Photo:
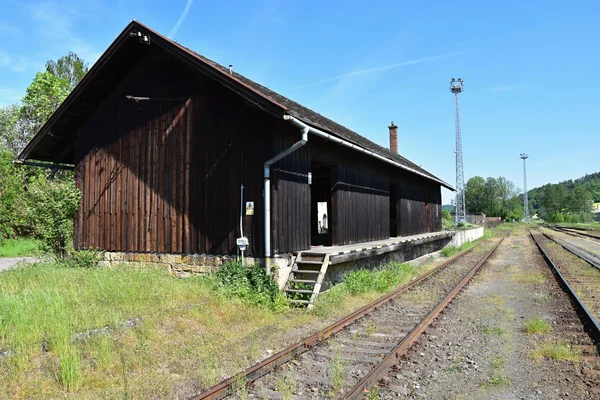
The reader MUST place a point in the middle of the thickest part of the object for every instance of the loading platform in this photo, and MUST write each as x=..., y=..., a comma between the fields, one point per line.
x=309, y=267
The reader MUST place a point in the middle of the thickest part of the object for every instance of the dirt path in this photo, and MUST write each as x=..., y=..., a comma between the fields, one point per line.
x=6, y=263
x=480, y=349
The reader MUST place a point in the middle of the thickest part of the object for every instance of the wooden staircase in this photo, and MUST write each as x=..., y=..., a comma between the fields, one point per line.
x=306, y=277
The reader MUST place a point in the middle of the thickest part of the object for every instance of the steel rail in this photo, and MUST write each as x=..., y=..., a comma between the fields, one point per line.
x=575, y=250
x=569, y=289
x=262, y=368
x=371, y=379
x=570, y=231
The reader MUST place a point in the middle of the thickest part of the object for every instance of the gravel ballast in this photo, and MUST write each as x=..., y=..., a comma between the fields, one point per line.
x=480, y=349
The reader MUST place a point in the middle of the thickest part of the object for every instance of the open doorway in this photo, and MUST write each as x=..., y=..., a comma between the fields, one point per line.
x=320, y=193
x=393, y=211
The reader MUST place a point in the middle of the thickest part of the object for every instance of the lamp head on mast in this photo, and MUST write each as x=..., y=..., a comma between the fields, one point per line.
x=456, y=85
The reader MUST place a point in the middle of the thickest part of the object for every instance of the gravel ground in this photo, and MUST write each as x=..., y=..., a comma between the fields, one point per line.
x=330, y=369
x=6, y=263
x=479, y=348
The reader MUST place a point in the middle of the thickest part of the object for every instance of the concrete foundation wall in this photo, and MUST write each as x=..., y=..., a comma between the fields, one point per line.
x=468, y=235
x=197, y=264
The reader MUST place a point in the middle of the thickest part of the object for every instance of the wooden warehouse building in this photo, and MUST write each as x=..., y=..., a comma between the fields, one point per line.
x=162, y=139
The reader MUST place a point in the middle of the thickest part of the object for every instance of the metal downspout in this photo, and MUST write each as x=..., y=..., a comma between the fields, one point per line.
x=267, y=188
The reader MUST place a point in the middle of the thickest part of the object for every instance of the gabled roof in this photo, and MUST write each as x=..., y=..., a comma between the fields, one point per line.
x=55, y=140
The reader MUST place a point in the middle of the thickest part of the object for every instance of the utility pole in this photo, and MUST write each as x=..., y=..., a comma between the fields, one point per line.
x=456, y=87
x=525, y=196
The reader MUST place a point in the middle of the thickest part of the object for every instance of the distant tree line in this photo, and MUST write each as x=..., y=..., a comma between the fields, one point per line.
x=32, y=204
x=568, y=201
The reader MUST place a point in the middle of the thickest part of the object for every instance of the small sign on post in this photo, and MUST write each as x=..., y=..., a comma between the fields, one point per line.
x=249, y=208
x=242, y=243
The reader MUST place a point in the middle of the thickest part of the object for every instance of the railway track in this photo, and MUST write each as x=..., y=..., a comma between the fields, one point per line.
x=347, y=358
x=581, y=276
x=586, y=249
x=579, y=233
x=580, y=279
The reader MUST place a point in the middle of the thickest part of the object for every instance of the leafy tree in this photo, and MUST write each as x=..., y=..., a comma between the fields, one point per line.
x=474, y=194
x=13, y=221
x=71, y=68
x=506, y=190
x=447, y=220
x=579, y=200
x=51, y=206
x=42, y=98
x=491, y=197
x=554, y=201
x=9, y=138
x=516, y=213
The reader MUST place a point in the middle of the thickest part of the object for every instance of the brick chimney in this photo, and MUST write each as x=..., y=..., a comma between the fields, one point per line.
x=393, y=138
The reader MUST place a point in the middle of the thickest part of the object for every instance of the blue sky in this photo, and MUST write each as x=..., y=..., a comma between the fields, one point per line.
x=531, y=68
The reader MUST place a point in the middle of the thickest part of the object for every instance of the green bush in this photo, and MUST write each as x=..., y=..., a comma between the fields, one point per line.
x=557, y=218
x=51, y=207
x=31, y=205
x=81, y=259
x=14, y=221
x=251, y=284
x=447, y=222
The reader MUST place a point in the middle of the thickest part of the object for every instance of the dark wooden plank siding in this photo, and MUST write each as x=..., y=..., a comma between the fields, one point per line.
x=435, y=209
x=290, y=194
x=165, y=176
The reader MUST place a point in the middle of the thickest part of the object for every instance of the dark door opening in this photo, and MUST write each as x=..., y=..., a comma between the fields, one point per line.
x=321, y=222
x=393, y=211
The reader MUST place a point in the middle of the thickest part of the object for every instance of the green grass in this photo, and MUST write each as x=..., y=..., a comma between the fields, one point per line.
x=336, y=371
x=497, y=381
x=18, y=247
x=554, y=351
x=367, y=283
x=491, y=330
x=533, y=277
x=537, y=326
x=43, y=305
x=185, y=324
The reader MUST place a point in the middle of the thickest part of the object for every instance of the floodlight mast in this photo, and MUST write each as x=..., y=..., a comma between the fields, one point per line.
x=456, y=87
x=525, y=195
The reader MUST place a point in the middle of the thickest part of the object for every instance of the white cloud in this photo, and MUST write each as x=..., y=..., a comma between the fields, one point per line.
x=184, y=14
x=381, y=68
x=16, y=63
x=56, y=22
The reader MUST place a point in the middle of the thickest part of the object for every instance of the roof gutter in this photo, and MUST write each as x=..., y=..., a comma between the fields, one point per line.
x=267, y=173
x=342, y=142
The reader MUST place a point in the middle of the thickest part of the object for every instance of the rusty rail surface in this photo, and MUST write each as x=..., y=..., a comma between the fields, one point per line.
x=256, y=371
x=371, y=379
x=584, y=311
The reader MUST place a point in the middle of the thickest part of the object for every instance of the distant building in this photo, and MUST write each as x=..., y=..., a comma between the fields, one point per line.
x=596, y=210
